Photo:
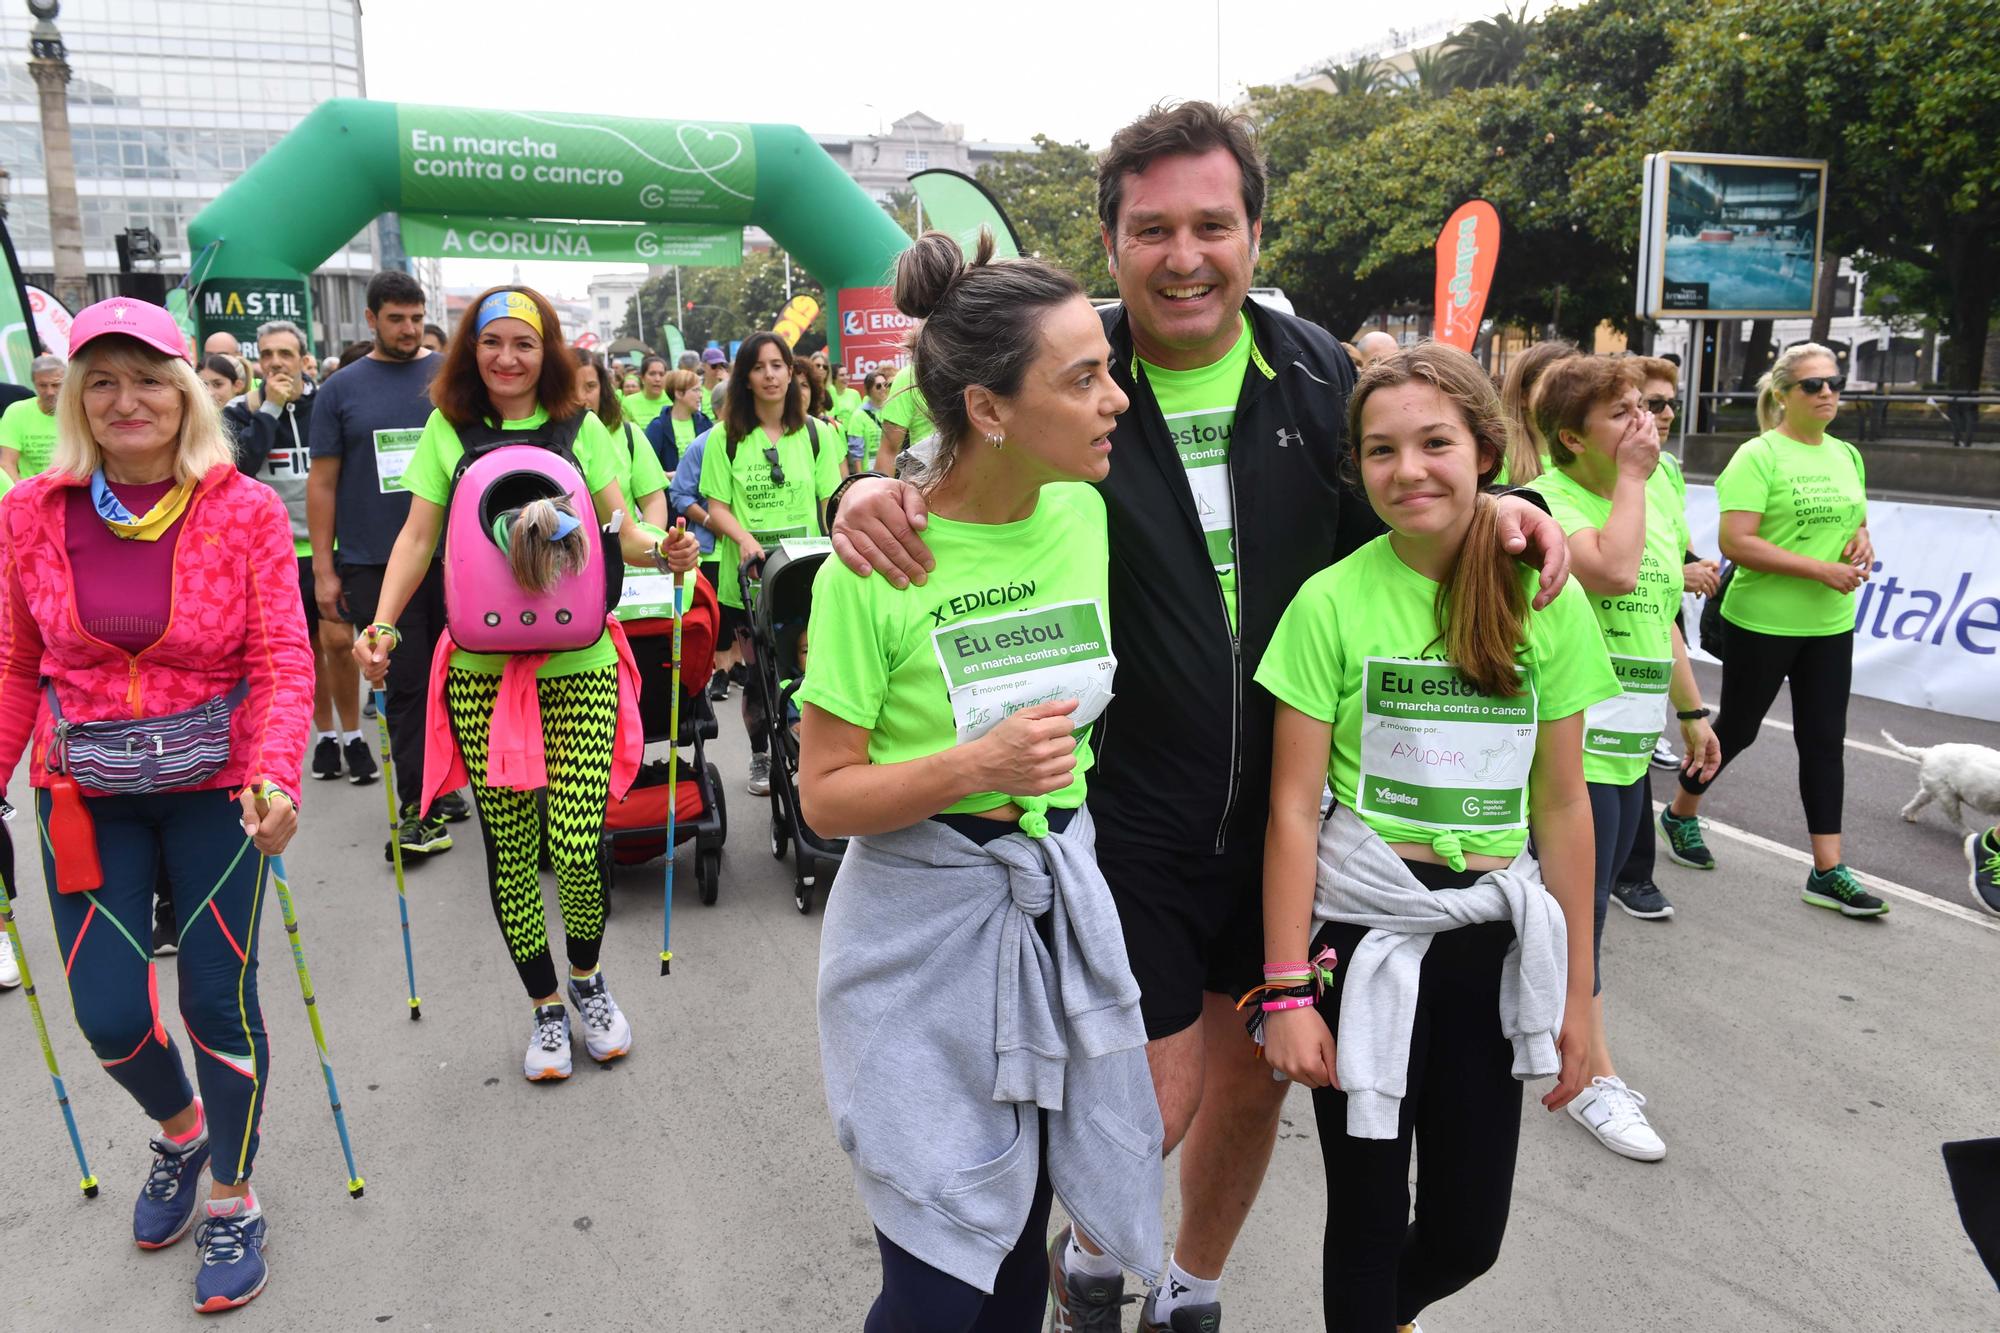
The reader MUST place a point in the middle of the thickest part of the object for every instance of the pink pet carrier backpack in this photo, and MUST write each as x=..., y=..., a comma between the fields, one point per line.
x=486, y=610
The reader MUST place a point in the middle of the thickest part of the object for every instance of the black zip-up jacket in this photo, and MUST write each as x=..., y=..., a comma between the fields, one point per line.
x=1184, y=750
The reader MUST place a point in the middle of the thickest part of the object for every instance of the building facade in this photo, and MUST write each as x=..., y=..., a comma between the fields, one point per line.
x=169, y=102
x=883, y=163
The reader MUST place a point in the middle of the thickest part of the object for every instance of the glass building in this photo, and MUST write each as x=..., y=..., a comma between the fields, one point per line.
x=169, y=101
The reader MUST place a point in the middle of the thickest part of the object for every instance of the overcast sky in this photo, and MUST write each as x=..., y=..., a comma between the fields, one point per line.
x=1058, y=67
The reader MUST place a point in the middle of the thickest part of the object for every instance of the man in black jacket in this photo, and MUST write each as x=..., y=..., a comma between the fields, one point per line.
x=1224, y=497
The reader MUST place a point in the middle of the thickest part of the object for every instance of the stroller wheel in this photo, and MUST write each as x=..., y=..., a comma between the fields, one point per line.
x=781, y=836
x=802, y=883
x=708, y=874
x=721, y=805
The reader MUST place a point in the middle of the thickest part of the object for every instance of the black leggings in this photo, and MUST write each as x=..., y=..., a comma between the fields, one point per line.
x=917, y=1298
x=1616, y=816
x=1462, y=1108
x=1821, y=670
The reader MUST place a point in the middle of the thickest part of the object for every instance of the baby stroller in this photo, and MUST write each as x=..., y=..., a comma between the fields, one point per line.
x=779, y=611
x=635, y=829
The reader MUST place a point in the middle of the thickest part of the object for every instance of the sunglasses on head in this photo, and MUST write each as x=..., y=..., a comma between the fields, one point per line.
x=1658, y=403
x=777, y=472
x=1818, y=382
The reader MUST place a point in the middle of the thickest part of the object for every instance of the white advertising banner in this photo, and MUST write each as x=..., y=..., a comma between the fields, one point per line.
x=1927, y=622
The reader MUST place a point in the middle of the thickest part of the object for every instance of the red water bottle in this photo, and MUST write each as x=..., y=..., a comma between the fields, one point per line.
x=72, y=837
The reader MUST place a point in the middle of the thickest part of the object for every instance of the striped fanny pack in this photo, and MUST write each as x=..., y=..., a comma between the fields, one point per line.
x=147, y=754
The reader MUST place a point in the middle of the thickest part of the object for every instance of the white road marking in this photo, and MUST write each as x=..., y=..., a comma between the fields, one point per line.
x=1886, y=887
x=1882, y=750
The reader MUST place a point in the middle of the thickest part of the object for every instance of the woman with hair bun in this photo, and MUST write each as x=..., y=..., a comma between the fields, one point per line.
x=1794, y=505
x=971, y=947
x=498, y=378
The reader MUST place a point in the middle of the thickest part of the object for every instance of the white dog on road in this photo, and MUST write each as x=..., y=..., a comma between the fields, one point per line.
x=1953, y=775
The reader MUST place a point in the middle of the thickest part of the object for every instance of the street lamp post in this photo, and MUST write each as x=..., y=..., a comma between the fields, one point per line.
x=49, y=64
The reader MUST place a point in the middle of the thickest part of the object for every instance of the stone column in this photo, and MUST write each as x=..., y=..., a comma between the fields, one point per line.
x=49, y=64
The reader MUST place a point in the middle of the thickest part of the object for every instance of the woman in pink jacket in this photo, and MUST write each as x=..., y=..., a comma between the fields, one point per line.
x=153, y=653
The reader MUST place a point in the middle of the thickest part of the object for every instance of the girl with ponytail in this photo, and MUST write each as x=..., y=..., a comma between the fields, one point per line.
x=958, y=767
x=1447, y=715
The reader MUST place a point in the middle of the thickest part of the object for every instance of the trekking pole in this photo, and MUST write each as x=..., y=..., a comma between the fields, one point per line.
x=89, y=1182
x=673, y=787
x=282, y=883
x=396, y=850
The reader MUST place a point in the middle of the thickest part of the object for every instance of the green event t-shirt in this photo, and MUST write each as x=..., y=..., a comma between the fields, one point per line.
x=1638, y=627
x=1417, y=753
x=429, y=476
x=768, y=511
x=640, y=410
x=906, y=407
x=639, y=470
x=683, y=435
x=1200, y=410
x=1016, y=614
x=1813, y=498
x=25, y=427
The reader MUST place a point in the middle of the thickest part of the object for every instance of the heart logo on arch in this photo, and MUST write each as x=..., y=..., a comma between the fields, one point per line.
x=689, y=135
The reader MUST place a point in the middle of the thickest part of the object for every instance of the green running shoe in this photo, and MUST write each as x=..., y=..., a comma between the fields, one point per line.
x=1837, y=890
x=1982, y=854
x=1684, y=844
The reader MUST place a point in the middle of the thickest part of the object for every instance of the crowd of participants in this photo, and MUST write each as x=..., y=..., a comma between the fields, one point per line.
x=1435, y=657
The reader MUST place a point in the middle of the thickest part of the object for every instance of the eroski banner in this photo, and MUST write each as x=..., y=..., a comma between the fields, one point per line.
x=1927, y=623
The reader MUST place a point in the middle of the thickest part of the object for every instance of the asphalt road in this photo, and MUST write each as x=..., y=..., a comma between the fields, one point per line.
x=1803, y=1069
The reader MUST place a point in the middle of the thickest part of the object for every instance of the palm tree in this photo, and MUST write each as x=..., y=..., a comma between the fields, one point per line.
x=1489, y=52
x=1364, y=78
x=1430, y=74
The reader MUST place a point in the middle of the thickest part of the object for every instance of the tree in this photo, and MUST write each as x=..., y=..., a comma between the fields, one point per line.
x=729, y=303
x=1902, y=100
x=1050, y=195
x=1362, y=78
x=1355, y=228
x=1430, y=74
x=1489, y=52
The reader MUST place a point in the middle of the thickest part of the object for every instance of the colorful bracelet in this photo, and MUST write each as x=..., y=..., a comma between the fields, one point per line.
x=1299, y=969
x=1290, y=1002
x=382, y=627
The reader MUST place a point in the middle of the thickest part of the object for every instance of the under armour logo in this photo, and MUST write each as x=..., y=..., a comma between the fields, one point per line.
x=1286, y=435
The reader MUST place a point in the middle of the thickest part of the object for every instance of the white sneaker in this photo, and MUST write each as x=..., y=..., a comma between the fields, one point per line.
x=1663, y=754
x=1610, y=1110
x=606, y=1032
x=10, y=967
x=548, y=1045
x=760, y=775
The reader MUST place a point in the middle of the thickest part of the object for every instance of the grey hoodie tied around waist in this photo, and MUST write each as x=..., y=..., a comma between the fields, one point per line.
x=946, y=1025
x=1363, y=883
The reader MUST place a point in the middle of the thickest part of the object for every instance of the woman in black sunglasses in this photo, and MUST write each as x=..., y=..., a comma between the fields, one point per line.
x=769, y=480
x=1794, y=507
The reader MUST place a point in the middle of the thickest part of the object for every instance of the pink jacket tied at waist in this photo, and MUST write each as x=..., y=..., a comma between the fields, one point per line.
x=236, y=616
x=514, y=756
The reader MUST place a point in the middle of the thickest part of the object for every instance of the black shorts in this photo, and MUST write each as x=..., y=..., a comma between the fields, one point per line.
x=1194, y=923
x=312, y=607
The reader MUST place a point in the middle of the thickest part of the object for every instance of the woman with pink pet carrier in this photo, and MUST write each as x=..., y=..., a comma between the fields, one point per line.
x=533, y=686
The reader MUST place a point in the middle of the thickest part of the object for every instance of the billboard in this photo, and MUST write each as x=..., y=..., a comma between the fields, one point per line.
x=1724, y=236
x=873, y=333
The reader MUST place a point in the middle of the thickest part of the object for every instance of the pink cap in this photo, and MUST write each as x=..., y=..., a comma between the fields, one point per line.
x=135, y=319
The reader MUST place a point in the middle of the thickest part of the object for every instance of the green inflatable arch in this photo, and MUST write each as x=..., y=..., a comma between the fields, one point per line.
x=350, y=160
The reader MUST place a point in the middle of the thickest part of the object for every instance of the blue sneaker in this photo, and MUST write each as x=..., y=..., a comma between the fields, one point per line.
x=231, y=1238
x=172, y=1191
